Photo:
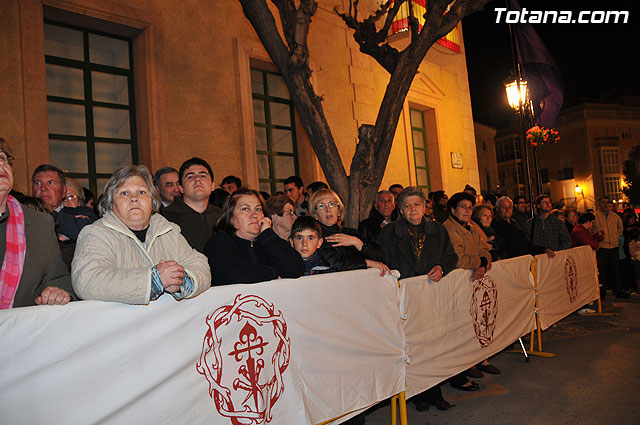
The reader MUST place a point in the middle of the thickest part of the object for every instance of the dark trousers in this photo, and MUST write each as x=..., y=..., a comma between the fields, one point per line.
x=609, y=269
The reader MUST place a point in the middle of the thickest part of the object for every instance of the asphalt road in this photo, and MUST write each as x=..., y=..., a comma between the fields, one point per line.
x=593, y=379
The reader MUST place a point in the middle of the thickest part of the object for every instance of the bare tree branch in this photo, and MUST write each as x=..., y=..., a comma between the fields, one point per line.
x=371, y=41
x=296, y=77
x=300, y=51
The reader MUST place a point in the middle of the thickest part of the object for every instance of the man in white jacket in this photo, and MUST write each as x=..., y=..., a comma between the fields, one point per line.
x=609, y=225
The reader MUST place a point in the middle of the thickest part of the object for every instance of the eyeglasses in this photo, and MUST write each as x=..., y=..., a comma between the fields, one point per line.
x=71, y=197
x=330, y=204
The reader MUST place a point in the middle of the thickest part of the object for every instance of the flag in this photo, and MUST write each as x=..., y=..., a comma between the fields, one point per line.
x=540, y=71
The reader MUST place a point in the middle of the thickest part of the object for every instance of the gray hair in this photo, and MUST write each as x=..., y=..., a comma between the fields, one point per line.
x=161, y=172
x=502, y=200
x=120, y=177
x=411, y=191
x=71, y=182
x=384, y=192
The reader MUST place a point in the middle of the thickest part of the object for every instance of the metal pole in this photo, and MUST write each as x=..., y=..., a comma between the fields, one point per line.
x=525, y=152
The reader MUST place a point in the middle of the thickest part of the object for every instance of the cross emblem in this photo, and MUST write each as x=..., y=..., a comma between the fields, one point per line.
x=249, y=342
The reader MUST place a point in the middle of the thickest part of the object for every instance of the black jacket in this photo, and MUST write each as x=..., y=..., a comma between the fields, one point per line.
x=197, y=228
x=369, y=228
x=343, y=258
x=236, y=260
x=399, y=254
x=515, y=243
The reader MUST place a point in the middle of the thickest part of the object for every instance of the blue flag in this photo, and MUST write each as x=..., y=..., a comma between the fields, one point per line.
x=540, y=71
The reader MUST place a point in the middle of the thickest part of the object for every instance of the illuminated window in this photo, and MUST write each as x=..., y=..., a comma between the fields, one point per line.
x=90, y=104
x=274, y=125
x=419, y=138
x=610, y=172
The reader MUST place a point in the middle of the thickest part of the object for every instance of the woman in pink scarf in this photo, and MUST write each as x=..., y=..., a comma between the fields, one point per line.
x=38, y=276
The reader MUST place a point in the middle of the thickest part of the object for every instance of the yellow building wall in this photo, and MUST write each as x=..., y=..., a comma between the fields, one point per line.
x=191, y=61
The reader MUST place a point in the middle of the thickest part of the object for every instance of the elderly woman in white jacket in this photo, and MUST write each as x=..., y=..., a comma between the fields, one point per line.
x=132, y=255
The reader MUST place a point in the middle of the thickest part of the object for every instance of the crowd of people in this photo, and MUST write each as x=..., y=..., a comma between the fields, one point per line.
x=175, y=232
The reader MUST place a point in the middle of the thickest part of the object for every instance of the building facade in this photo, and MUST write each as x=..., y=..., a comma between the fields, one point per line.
x=595, y=140
x=89, y=85
x=487, y=160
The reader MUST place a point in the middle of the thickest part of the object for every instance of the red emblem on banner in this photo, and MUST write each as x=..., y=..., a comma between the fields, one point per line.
x=244, y=354
x=571, y=278
x=484, y=309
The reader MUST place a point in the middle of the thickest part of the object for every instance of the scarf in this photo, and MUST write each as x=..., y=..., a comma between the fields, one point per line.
x=14, y=254
x=418, y=234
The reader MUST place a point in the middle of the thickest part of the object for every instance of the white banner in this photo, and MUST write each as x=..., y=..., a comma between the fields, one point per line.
x=455, y=323
x=283, y=352
x=565, y=283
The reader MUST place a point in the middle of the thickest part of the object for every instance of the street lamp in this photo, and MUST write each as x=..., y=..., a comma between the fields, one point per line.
x=579, y=191
x=518, y=97
x=517, y=93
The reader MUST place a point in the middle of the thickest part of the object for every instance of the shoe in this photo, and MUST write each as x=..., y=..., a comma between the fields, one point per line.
x=442, y=404
x=489, y=368
x=473, y=372
x=622, y=295
x=421, y=405
x=474, y=386
x=586, y=311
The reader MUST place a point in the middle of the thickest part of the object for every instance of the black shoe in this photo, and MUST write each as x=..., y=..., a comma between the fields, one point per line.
x=421, y=405
x=474, y=386
x=473, y=372
x=622, y=295
x=442, y=405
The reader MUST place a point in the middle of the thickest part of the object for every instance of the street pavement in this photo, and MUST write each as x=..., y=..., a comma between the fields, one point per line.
x=593, y=379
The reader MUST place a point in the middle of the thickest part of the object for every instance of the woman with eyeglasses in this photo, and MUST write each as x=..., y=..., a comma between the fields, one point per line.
x=343, y=249
x=246, y=249
x=282, y=211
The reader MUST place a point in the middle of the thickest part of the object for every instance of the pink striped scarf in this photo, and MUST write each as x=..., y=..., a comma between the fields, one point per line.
x=14, y=254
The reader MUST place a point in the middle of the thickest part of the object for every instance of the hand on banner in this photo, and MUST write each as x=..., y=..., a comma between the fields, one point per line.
x=550, y=253
x=435, y=274
x=478, y=273
x=52, y=295
x=378, y=265
x=171, y=274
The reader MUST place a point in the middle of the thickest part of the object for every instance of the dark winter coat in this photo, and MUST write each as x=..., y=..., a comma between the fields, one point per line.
x=197, y=228
x=399, y=254
x=343, y=258
x=236, y=260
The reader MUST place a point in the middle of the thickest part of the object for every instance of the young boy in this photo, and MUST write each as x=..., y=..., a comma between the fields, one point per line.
x=306, y=238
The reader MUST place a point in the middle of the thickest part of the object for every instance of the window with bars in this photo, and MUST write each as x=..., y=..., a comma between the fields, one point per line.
x=419, y=138
x=90, y=103
x=274, y=124
x=610, y=171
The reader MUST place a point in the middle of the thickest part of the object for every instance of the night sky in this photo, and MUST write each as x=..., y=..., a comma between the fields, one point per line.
x=595, y=60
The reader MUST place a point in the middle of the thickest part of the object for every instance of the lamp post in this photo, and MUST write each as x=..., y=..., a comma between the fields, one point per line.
x=518, y=97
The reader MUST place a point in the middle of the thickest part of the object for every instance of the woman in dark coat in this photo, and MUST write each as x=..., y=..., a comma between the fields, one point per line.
x=246, y=249
x=342, y=248
x=415, y=245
